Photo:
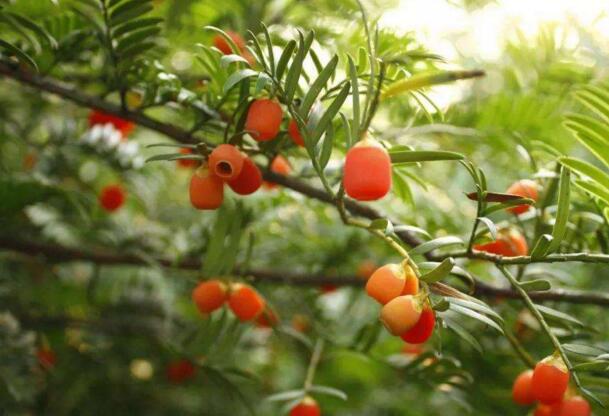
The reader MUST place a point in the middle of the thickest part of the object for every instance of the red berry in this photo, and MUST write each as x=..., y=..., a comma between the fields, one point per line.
x=99, y=117
x=267, y=319
x=46, y=358
x=522, y=392
x=206, y=189
x=209, y=296
x=226, y=162
x=295, y=133
x=367, y=173
x=509, y=244
x=281, y=166
x=524, y=188
x=222, y=44
x=550, y=380
x=328, y=288
x=245, y=302
x=249, y=180
x=307, y=407
x=423, y=329
x=264, y=119
x=187, y=163
x=401, y=314
x=574, y=406
x=112, y=197
x=179, y=371
x=545, y=410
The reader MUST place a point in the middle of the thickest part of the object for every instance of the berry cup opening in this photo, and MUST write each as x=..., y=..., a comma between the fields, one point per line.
x=224, y=169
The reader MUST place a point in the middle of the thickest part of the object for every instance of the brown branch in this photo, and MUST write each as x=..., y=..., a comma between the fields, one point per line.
x=56, y=253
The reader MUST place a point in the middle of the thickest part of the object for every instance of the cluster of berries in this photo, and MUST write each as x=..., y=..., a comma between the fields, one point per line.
x=243, y=300
x=548, y=385
x=405, y=313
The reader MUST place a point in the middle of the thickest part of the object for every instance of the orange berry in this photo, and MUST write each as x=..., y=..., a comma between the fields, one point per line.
x=112, y=197
x=509, y=244
x=307, y=407
x=245, y=302
x=187, y=163
x=525, y=188
x=365, y=269
x=545, y=410
x=206, y=189
x=249, y=180
x=263, y=119
x=550, y=380
x=367, y=172
x=209, y=296
x=224, y=47
x=423, y=329
x=226, y=162
x=522, y=392
x=99, y=117
x=295, y=133
x=386, y=283
x=267, y=319
x=179, y=371
x=281, y=166
x=574, y=406
x=401, y=314
x=46, y=358
x=411, y=281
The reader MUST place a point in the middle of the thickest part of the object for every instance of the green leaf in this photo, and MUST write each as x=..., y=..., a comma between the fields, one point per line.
x=34, y=27
x=401, y=188
x=585, y=350
x=441, y=242
x=328, y=116
x=269, y=46
x=596, y=99
x=478, y=306
x=329, y=391
x=595, y=189
x=541, y=246
x=173, y=156
x=490, y=225
x=425, y=80
x=539, y=285
x=326, y=148
x=284, y=59
x=285, y=396
x=439, y=272
x=381, y=224
x=562, y=214
x=356, y=105
x=558, y=315
x=237, y=77
x=135, y=39
x=291, y=82
x=585, y=133
x=584, y=168
x=475, y=315
x=262, y=81
x=16, y=194
x=317, y=86
x=226, y=60
x=412, y=229
x=129, y=10
x=423, y=156
x=512, y=203
x=19, y=54
x=462, y=333
x=135, y=25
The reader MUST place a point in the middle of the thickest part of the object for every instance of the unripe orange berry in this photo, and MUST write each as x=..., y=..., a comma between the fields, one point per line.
x=249, y=180
x=206, y=189
x=180, y=371
x=209, y=296
x=307, y=407
x=112, y=197
x=574, y=406
x=224, y=47
x=522, y=392
x=187, y=163
x=550, y=380
x=226, y=162
x=411, y=281
x=509, y=244
x=423, y=329
x=245, y=302
x=295, y=133
x=401, y=314
x=367, y=172
x=525, y=188
x=263, y=119
x=46, y=358
x=99, y=117
x=386, y=283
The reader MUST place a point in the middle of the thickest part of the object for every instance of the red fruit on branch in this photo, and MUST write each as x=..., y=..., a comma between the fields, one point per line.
x=187, y=163
x=112, y=197
x=245, y=302
x=401, y=314
x=281, y=166
x=98, y=117
x=574, y=406
x=411, y=281
x=509, y=244
x=295, y=133
x=206, y=189
x=263, y=119
x=226, y=162
x=46, y=358
x=525, y=188
x=387, y=282
x=545, y=410
x=249, y=179
x=423, y=329
x=522, y=392
x=550, y=380
x=209, y=296
x=224, y=47
x=307, y=407
x=267, y=319
x=367, y=172
x=177, y=372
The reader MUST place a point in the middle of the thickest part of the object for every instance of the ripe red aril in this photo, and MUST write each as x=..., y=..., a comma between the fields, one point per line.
x=180, y=371
x=224, y=47
x=245, y=302
x=367, y=172
x=46, y=358
x=226, y=162
x=522, y=392
x=574, y=406
x=307, y=407
x=209, y=296
x=295, y=133
x=187, y=163
x=423, y=329
x=281, y=166
x=263, y=119
x=112, y=197
x=99, y=117
x=525, y=188
x=508, y=243
x=550, y=380
x=206, y=189
x=249, y=179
